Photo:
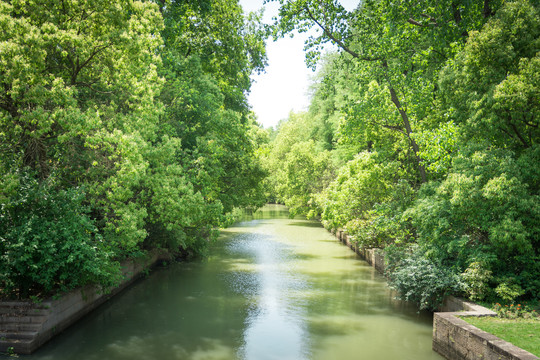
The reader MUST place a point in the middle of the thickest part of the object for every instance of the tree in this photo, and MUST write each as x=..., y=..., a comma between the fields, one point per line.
x=485, y=208
x=484, y=211
x=463, y=76
x=230, y=46
x=77, y=113
x=134, y=114
x=298, y=167
x=78, y=100
x=209, y=53
x=396, y=45
x=492, y=87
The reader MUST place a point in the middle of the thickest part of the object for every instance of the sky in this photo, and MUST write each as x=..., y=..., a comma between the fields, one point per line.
x=284, y=86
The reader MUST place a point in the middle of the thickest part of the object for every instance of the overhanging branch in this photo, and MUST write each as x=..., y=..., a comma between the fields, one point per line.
x=336, y=40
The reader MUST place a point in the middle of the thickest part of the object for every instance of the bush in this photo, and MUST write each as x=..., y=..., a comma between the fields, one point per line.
x=485, y=210
x=48, y=242
x=418, y=279
x=508, y=291
x=348, y=201
x=384, y=224
x=476, y=279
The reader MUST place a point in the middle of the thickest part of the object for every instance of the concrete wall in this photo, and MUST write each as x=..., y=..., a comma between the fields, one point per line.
x=25, y=326
x=455, y=339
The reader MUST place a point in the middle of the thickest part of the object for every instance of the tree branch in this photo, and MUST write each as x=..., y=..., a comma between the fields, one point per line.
x=430, y=18
x=414, y=22
x=79, y=67
x=518, y=134
x=530, y=124
x=80, y=83
x=407, y=124
x=487, y=11
x=394, y=127
x=336, y=40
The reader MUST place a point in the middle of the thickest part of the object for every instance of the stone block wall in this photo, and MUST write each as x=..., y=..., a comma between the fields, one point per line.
x=25, y=326
x=455, y=339
x=373, y=256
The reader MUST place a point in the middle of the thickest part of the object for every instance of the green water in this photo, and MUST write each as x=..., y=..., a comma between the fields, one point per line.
x=272, y=288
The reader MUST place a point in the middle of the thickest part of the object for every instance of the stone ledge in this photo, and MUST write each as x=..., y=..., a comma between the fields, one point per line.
x=54, y=315
x=456, y=339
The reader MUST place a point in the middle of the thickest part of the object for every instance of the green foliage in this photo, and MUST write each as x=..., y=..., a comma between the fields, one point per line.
x=78, y=100
x=475, y=279
x=204, y=164
x=49, y=243
x=420, y=280
x=361, y=183
x=438, y=147
x=482, y=211
x=305, y=174
x=391, y=55
x=298, y=167
x=509, y=292
x=210, y=52
x=142, y=104
x=492, y=86
x=229, y=45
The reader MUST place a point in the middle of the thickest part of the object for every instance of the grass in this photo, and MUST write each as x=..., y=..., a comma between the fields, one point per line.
x=524, y=333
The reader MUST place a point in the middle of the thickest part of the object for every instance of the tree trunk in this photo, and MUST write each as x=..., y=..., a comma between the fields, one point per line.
x=408, y=128
x=393, y=94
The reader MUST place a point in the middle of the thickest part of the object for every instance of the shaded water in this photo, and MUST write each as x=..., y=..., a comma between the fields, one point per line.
x=272, y=288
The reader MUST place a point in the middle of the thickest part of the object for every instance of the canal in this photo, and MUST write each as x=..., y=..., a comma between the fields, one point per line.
x=271, y=288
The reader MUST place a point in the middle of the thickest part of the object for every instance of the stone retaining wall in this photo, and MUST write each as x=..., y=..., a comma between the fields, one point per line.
x=25, y=326
x=373, y=256
x=455, y=339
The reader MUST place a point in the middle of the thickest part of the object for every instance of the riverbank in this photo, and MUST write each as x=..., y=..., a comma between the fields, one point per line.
x=453, y=337
x=263, y=276
x=25, y=325
x=522, y=332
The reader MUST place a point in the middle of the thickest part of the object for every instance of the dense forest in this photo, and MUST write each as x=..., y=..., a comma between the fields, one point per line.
x=124, y=127
x=421, y=138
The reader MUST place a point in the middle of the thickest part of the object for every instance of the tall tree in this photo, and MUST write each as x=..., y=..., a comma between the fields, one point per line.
x=210, y=50
x=78, y=112
x=79, y=84
x=491, y=89
x=400, y=45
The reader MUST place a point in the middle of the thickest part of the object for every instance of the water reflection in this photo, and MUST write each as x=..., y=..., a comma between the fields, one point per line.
x=274, y=326
x=272, y=288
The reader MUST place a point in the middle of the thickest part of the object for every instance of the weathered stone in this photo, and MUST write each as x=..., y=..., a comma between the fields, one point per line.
x=25, y=326
x=456, y=339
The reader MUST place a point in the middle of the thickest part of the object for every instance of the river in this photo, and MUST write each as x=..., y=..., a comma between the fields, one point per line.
x=271, y=288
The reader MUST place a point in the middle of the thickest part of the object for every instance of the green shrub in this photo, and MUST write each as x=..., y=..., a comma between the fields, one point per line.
x=348, y=201
x=48, y=242
x=476, y=279
x=420, y=280
x=508, y=291
x=484, y=210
